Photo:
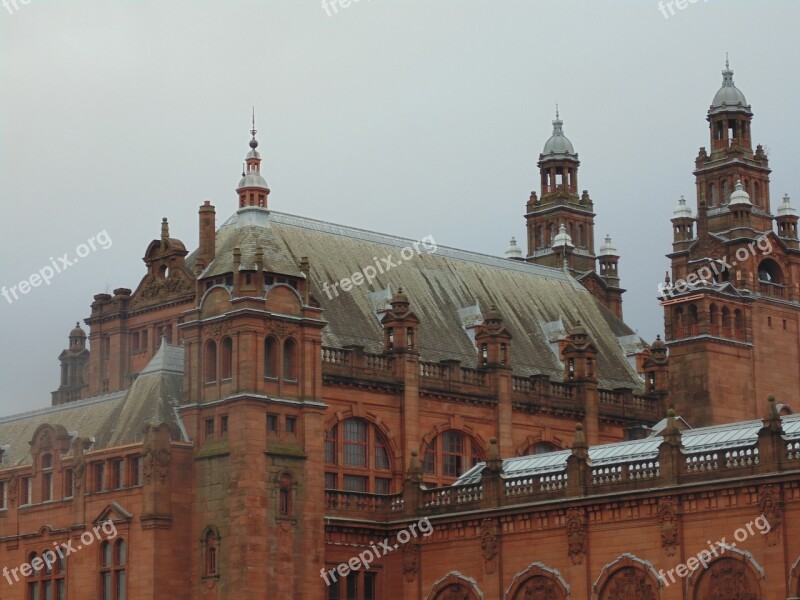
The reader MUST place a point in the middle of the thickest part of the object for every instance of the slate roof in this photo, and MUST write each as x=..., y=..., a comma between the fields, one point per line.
x=111, y=419
x=715, y=438
x=438, y=284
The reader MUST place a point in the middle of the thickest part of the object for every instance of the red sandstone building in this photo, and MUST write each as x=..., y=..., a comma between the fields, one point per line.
x=258, y=413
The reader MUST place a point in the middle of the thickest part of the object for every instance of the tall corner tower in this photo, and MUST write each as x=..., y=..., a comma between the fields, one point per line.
x=731, y=305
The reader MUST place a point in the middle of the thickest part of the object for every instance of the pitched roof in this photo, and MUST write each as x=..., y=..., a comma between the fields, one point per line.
x=111, y=419
x=716, y=438
x=444, y=287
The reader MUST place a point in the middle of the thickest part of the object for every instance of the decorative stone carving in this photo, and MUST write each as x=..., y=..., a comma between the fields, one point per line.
x=539, y=588
x=154, y=290
x=13, y=489
x=727, y=579
x=770, y=505
x=668, y=522
x=155, y=464
x=576, y=535
x=630, y=583
x=409, y=562
x=489, y=545
x=455, y=591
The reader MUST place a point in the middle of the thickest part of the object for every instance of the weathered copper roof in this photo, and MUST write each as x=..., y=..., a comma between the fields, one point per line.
x=438, y=284
x=112, y=419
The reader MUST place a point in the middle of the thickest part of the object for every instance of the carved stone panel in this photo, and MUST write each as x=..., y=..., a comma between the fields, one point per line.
x=727, y=579
x=629, y=583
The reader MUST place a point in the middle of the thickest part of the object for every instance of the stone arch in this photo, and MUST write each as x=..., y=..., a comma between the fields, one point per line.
x=216, y=301
x=284, y=299
x=443, y=426
x=794, y=579
x=385, y=429
x=735, y=574
x=627, y=578
x=538, y=582
x=543, y=436
x=455, y=586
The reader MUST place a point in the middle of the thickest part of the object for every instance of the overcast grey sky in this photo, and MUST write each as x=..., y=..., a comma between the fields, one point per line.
x=410, y=117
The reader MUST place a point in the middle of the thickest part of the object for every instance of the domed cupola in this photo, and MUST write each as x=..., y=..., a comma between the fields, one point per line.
x=739, y=198
x=682, y=211
x=729, y=98
x=563, y=239
x=252, y=189
x=558, y=145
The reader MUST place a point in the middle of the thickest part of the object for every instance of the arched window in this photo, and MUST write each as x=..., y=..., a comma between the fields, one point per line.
x=726, y=321
x=285, y=496
x=226, y=362
x=725, y=191
x=712, y=195
x=271, y=357
x=756, y=193
x=679, y=323
x=541, y=448
x=357, y=458
x=769, y=271
x=290, y=360
x=47, y=582
x=211, y=361
x=113, y=559
x=714, y=319
x=449, y=455
x=211, y=553
x=693, y=319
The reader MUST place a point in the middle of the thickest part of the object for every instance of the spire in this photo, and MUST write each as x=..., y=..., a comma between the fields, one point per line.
x=253, y=189
x=254, y=131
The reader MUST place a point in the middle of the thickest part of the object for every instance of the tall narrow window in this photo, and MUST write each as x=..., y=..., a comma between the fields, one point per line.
x=355, y=443
x=285, y=496
x=226, y=358
x=113, y=558
x=211, y=544
x=452, y=453
x=290, y=360
x=3, y=496
x=117, y=474
x=69, y=483
x=211, y=361
x=27, y=491
x=47, y=477
x=48, y=581
x=271, y=357
x=99, y=476
x=136, y=470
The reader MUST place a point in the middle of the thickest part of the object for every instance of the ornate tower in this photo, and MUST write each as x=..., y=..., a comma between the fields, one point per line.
x=74, y=363
x=731, y=307
x=560, y=224
x=560, y=204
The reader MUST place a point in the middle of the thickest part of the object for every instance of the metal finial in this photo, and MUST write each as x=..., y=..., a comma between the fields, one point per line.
x=253, y=130
x=727, y=65
x=557, y=110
